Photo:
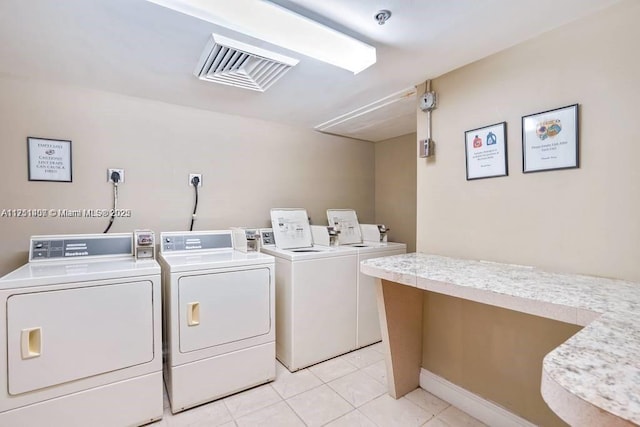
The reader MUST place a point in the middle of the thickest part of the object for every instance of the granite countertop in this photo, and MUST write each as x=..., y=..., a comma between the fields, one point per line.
x=597, y=369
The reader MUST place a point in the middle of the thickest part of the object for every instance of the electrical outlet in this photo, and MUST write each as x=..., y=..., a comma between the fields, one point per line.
x=192, y=175
x=120, y=171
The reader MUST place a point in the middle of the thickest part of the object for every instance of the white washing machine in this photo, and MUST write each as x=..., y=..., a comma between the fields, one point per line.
x=315, y=292
x=80, y=332
x=370, y=242
x=219, y=317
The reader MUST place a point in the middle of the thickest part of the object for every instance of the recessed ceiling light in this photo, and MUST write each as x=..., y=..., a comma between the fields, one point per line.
x=279, y=26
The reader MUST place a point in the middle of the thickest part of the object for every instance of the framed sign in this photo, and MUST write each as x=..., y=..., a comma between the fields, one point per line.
x=550, y=140
x=486, y=150
x=49, y=159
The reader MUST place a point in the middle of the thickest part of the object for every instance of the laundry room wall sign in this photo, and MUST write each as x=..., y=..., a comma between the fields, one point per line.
x=486, y=150
x=550, y=140
x=49, y=159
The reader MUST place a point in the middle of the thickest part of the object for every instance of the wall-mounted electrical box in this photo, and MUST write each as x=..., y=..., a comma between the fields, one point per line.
x=426, y=147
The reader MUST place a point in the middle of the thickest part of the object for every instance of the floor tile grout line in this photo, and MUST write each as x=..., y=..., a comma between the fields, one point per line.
x=413, y=403
x=269, y=406
x=233, y=417
x=435, y=415
x=368, y=418
x=363, y=403
x=327, y=383
x=295, y=413
x=312, y=374
x=368, y=366
x=298, y=394
x=340, y=376
x=373, y=377
x=344, y=359
x=340, y=397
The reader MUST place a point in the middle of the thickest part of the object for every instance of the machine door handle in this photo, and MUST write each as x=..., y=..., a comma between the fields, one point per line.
x=31, y=342
x=193, y=314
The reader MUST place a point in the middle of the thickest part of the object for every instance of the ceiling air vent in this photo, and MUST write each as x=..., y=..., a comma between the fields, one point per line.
x=230, y=62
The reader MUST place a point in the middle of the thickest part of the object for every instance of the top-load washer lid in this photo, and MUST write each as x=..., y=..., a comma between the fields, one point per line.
x=379, y=246
x=291, y=228
x=346, y=221
x=315, y=252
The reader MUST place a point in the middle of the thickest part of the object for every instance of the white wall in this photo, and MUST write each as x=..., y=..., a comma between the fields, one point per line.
x=249, y=165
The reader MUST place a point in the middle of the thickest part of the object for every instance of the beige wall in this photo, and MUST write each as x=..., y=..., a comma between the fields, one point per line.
x=584, y=220
x=395, y=188
x=249, y=165
x=493, y=352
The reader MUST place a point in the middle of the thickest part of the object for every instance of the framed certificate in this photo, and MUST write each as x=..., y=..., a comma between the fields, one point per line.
x=486, y=151
x=49, y=159
x=550, y=140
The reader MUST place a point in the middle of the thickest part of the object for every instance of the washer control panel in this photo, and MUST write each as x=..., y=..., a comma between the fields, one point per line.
x=266, y=235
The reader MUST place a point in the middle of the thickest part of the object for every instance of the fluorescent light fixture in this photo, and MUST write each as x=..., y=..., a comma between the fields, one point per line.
x=273, y=24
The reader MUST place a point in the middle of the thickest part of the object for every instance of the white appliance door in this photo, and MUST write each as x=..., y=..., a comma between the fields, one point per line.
x=60, y=336
x=219, y=308
x=368, y=318
x=324, y=309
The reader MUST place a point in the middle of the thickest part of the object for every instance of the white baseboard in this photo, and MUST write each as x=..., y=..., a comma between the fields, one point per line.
x=474, y=405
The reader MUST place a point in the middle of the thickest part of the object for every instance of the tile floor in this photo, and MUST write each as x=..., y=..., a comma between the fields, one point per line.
x=349, y=390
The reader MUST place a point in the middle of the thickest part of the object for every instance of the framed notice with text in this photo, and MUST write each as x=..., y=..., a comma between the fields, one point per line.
x=49, y=159
x=550, y=140
x=486, y=150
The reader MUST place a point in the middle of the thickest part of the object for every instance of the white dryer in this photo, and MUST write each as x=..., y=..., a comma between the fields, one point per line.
x=80, y=332
x=315, y=292
x=351, y=235
x=219, y=317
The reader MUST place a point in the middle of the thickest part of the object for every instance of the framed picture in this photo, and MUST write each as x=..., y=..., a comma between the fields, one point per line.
x=49, y=159
x=550, y=140
x=486, y=150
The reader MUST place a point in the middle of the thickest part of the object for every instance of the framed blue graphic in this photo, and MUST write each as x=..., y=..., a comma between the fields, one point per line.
x=550, y=140
x=486, y=151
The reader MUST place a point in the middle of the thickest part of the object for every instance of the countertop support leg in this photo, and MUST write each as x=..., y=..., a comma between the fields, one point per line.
x=400, y=309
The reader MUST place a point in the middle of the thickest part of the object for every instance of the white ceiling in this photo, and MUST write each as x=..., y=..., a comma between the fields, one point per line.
x=138, y=48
